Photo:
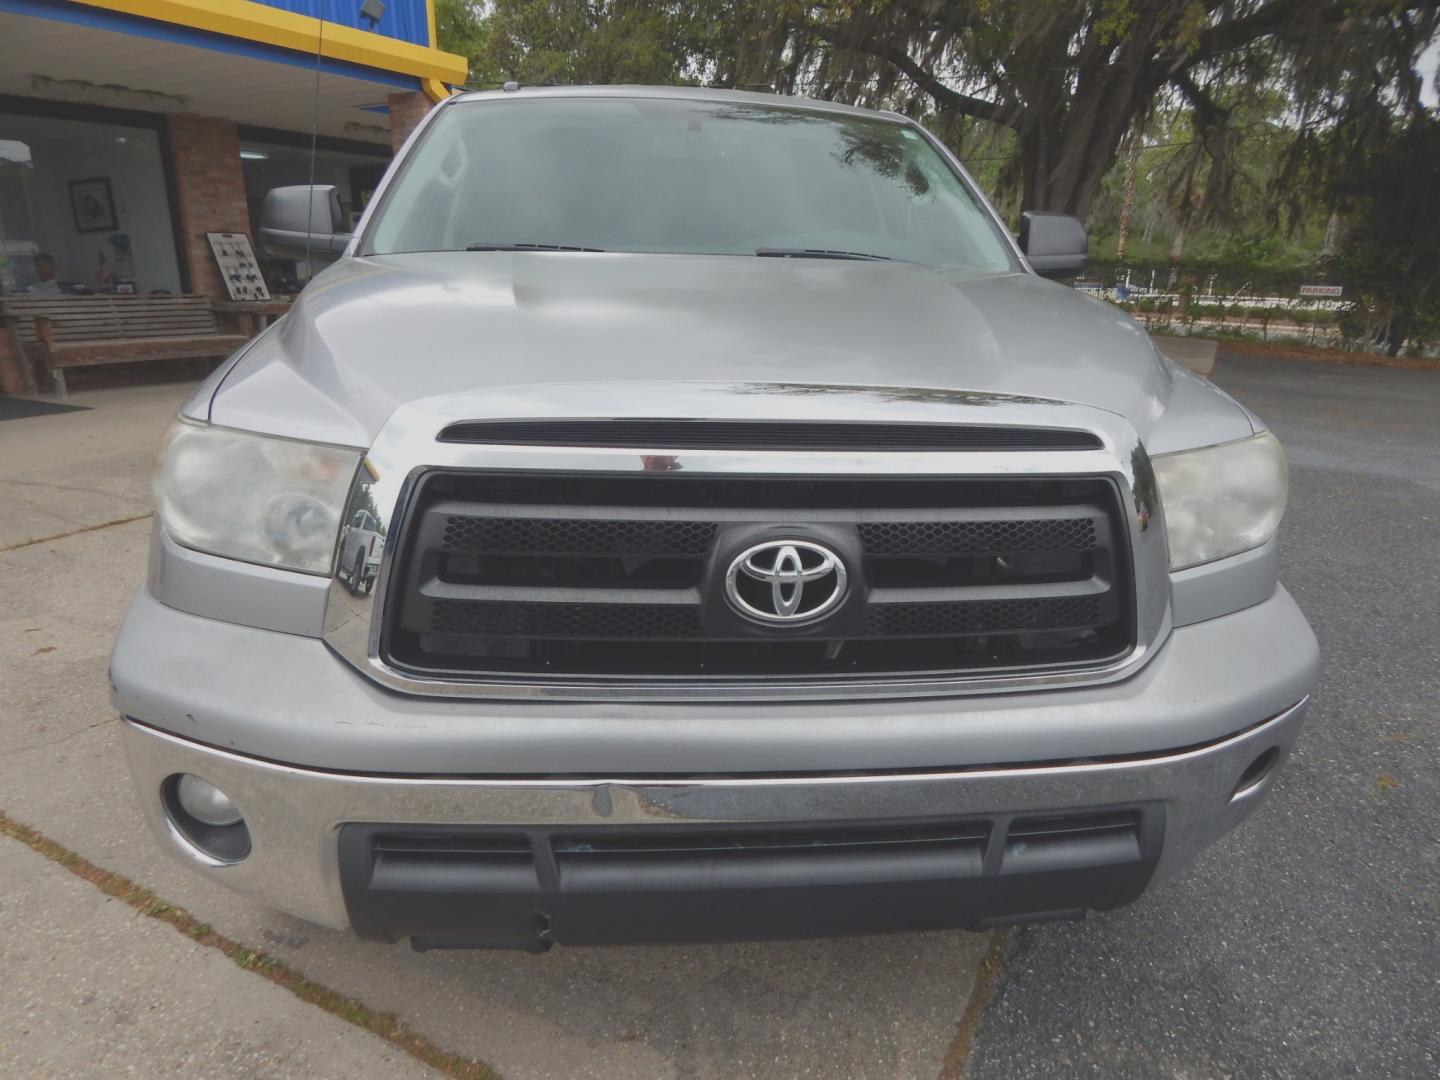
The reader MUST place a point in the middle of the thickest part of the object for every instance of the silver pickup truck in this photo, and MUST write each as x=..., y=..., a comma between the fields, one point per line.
x=362, y=545
x=769, y=550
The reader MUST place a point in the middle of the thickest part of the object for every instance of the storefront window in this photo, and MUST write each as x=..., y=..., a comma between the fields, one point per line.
x=269, y=165
x=83, y=208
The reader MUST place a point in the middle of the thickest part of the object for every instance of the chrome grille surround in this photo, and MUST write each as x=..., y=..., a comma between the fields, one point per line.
x=407, y=450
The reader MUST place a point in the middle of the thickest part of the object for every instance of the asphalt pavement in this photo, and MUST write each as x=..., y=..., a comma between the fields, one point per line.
x=1306, y=943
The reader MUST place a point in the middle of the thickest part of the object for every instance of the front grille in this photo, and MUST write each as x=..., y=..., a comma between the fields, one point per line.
x=620, y=577
x=555, y=536
x=546, y=620
x=983, y=617
x=977, y=537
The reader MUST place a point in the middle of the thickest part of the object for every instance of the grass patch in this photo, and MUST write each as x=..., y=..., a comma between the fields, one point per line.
x=387, y=1026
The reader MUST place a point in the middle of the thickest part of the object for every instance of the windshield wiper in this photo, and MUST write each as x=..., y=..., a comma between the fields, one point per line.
x=485, y=245
x=817, y=253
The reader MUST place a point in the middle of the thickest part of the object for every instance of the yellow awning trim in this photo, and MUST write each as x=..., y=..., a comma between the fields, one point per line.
x=250, y=21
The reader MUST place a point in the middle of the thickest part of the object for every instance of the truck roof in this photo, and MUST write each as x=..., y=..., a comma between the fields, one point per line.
x=679, y=93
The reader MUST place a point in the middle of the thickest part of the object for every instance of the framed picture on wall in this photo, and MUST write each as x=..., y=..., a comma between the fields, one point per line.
x=93, y=205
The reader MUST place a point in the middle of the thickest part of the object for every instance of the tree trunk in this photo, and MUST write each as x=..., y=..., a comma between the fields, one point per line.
x=1332, y=235
x=1071, y=78
x=1127, y=203
x=1177, y=248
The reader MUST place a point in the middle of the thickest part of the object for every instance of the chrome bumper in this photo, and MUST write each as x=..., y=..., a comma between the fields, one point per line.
x=294, y=813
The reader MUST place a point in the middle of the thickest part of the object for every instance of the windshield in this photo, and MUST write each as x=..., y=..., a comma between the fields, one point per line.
x=682, y=177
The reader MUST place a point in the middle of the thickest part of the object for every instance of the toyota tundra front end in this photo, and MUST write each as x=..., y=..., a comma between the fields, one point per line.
x=765, y=549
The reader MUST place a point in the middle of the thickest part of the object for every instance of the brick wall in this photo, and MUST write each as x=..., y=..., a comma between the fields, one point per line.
x=210, y=191
x=406, y=111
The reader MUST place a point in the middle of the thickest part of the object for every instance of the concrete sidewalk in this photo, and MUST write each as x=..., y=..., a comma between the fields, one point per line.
x=873, y=1007
x=92, y=988
x=75, y=470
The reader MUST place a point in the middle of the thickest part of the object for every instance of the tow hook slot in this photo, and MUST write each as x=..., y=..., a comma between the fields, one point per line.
x=1256, y=775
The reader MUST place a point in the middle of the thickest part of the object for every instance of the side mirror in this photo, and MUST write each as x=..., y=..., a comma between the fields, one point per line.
x=1055, y=244
x=301, y=220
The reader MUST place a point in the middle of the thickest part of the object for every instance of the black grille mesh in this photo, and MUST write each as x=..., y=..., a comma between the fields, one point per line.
x=492, y=619
x=558, y=575
x=990, y=616
x=977, y=537
x=576, y=536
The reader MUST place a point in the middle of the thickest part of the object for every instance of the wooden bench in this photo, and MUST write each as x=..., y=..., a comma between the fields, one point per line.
x=80, y=331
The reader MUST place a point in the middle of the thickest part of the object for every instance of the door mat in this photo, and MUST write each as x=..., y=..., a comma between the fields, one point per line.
x=14, y=408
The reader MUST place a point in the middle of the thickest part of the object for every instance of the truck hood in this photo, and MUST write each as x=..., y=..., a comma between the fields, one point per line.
x=371, y=334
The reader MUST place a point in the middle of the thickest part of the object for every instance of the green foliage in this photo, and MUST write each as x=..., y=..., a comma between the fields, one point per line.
x=461, y=27
x=1188, y=203
x=1390, y=262
x=1041, y=92
x=588, y=41
x=580, y=42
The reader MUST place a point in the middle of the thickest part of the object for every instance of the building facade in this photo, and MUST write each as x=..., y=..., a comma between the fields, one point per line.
x=131, y=128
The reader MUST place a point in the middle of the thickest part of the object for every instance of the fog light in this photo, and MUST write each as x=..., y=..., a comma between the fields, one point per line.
x=205, y=802
x=205, y=820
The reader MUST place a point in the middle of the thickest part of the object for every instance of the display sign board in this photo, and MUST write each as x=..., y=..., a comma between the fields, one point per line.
x=238, y=266
x=1328, y=292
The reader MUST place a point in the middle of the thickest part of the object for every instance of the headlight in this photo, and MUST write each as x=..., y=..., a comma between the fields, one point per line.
x=253, y=497
x=1220, y=500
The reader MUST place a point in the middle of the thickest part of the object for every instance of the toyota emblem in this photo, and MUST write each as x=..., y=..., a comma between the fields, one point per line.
x=786, y=582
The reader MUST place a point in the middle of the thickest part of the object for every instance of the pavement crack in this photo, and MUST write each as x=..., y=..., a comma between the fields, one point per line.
x=58, y=487
x=13, y=750
x=77, y=532
x=384, y=1025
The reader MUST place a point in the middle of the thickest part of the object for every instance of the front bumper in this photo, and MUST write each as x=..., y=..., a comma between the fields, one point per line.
x=300, y=820
x=287, y=697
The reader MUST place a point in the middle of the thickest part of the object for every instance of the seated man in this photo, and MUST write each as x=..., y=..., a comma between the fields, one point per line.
x=45, y=283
